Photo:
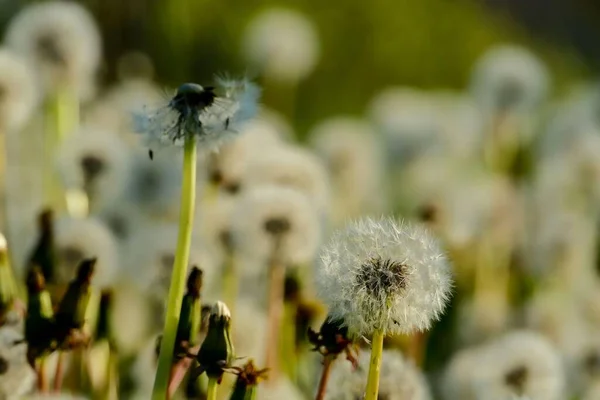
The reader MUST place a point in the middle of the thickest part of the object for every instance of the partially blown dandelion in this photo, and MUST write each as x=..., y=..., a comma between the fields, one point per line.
x=210, y=115
x=382, y=277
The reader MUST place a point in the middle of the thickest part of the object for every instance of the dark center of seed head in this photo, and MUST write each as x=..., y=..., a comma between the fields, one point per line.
x=193, y=96
x=3, y=365
x=277, y=226
x=592, y=363
x=72, y=255
x=517, y=378
x=382, y=277
x=509, y=94
x=49, y=49
x=92, y=166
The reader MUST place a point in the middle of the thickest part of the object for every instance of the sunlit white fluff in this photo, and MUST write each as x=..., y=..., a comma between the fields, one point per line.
x=263, y=204
x=96, y=162
x=249, y=330
x=18, y=93
x=293, y=167
x=408, y=120
x=19, y=379
x=211, y=126
x=148, y=262
x=77, y=239
x=519, y=363
x=354, y=157
x=228, y=165
x=143, y=369
x=282, y=43
x=113, y=110
x=130, y=310
x=509, y=78
x=282, y=388
x=379, y=274
x=61, y=40
x=399, y=379
x=154, y=185
x=213, y=225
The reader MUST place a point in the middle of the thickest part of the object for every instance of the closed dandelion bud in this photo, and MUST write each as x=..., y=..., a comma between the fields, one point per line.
x=381, y=275
x=8, y=286
x=39, y=319
x=248, y=378
x=104, y=328
x=216, y=352
x=191, y=310
x=72, y=308
x=43, y=254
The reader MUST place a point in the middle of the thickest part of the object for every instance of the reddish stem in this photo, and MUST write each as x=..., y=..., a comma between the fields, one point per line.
x=327, y=361
x=275, y=313
x=59, y=375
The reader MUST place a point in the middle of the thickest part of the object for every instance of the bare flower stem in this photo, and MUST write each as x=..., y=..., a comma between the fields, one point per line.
x=42, y=382
x=327, y=361
x=178, y=277
x=59, y=373
x=374, y=366
x=275, y=314
x=211, y=392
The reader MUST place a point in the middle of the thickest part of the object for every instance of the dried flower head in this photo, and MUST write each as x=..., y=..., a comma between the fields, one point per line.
x=520, y=363
x=283, y=43
x=96, y=162
x=61, y=40
x=18, y=94
x=400, y=379
x=211, y=115
x=272, y=221
x=509, y=79
x=354, y=157
x=79, y=239
x=377, y=274
x=293, y=167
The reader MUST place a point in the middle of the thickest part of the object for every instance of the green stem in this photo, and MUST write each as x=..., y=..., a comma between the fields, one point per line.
x=374, y=366
x=178, y=277
x=211, y=392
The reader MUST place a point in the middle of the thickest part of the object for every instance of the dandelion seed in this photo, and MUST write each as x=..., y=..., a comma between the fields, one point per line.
x=211, y=115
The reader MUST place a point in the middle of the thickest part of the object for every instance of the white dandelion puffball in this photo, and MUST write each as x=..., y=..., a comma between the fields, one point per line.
x=78, y=239
x=268, y=214
x=18, y=93
x=96, y=162
x=509, y=78
x=282, y=43
x=130, y=310
x=61, y=40
x=282, y=388
x=520, y=363
x=399, y=379
x=378, y=274
x=290, y=166
x=249, y=329
x=354, y=157
x=211, y=115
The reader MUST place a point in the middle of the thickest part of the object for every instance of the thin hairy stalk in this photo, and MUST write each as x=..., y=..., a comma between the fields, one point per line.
x=374, y=366
x=327, y=361
x=59, y=373
x=211, y=392
x=42, y=382
x=275, y=314
x=178, y=277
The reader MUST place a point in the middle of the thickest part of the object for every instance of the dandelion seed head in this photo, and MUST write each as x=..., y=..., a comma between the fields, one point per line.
x=509, y=78
x=79, y=239
x=95, y=161
x=377, y=274
x=269, y=214
x=18, y=94
x=282, y=43
x=399, y=379
x=292, y=167
x=61, y=40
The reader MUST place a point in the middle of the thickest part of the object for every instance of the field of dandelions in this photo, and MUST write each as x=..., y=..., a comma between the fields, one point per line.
x=188, y=242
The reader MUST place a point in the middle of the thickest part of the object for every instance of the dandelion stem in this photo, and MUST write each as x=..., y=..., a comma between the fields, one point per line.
x=62, y=116
x=276, y=282
x=211, y=392
x=42, y=382
x=374, y=366
x=59, y=373
x=178, y=277
x=327, y=361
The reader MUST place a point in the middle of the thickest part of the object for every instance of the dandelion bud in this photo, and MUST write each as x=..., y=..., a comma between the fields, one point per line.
x=217, y=351
x=384, y=276
x=43, y=254
x=38, y=322
x=191, y=311
x=247, y=380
